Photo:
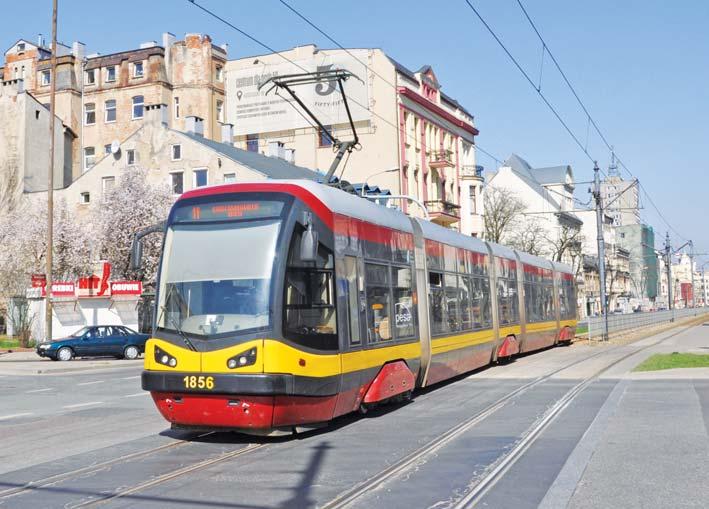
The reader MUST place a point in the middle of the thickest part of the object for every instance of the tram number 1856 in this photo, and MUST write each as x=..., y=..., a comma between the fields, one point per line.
x=198, y=382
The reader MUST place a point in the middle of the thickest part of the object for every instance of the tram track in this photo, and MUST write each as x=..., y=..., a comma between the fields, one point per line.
x=498, y=469
x=90, y=469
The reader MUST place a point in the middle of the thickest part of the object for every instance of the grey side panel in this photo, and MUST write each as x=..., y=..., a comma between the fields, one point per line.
x=422, y=301
x=493, y=298
x=557, y=303
x=521, y=297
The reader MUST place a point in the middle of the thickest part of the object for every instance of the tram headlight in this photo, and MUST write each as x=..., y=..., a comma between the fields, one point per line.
x=164, y=358
x=247, y=358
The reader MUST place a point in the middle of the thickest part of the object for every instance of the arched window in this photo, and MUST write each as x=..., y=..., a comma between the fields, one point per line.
x=138, y=105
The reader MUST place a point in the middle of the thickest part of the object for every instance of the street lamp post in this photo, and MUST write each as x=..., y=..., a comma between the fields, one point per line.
x=364, y=184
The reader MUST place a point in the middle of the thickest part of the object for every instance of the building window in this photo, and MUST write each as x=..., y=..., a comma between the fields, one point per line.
x=177, y=183
x=219, y=73
x=200, y=177
x=89, y=114
x=89, y=157
x=45, y=78
x=252, y=142
x=220, y=111
x=473, y=201
x=176, y=152
x=176, y=101
x=21, y=47
x=324, y=139
x=229, y=178
x=110, y=73
x=110, y=107
x=138, y=70
x=85, y=198
x=138, y=103
x=107, y=184
x=22, y=72
x=90, y=77
x=107, y=149
x=130, y=156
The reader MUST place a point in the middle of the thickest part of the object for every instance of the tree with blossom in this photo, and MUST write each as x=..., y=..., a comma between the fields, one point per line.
x=132, y=205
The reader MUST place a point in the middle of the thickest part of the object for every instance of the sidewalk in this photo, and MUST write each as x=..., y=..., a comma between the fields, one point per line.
x=29, y=363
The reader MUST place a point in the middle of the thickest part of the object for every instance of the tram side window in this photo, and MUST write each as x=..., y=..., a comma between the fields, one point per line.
x=438, y=304
x=452, y=297
x=309, y=304
x=486, y=302
x=404, y=309
x=503, y=302
x=467, y=309
x=378, y=303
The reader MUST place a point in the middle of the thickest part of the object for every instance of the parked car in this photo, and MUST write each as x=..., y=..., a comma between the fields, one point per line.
x=96, y=341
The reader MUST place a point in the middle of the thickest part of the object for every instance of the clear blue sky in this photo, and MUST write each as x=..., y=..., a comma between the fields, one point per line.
x=640, y=67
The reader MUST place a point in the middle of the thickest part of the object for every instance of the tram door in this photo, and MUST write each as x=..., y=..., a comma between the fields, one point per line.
x=353, y=280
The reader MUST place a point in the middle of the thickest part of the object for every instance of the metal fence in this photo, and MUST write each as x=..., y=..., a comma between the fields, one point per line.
x=593, y=327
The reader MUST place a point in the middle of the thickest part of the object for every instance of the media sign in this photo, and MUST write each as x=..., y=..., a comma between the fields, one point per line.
x=251, y=111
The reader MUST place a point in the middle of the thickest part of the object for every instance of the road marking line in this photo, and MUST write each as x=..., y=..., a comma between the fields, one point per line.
x=136, y=394
x=12, y=416
x=84, y=404
x=40, y=390
x=131, y=377
x=92, y=383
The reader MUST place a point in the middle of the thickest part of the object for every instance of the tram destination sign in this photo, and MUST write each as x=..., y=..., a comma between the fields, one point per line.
x=229, y=210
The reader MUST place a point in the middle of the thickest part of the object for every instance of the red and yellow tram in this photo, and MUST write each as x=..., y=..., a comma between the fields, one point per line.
x=284, y=304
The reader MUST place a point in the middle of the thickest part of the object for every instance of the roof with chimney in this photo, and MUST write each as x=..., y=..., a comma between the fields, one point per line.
x=271, y=167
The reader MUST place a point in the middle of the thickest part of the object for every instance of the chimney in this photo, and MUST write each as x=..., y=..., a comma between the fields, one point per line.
x=228, y=133
x=168, y=40
x=276, y=149
x=40, y=41
x=194, y=125
x=11, y=88
x=78, y=49
x=156, y=113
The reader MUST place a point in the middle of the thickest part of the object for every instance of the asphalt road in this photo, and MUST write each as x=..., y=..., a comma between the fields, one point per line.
x=624, y=440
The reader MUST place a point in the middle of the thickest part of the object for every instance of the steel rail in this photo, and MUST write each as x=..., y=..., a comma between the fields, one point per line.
x=170, y=475
x=70, y=474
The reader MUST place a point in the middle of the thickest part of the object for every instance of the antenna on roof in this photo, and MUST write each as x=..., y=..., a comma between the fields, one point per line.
x=334, y=75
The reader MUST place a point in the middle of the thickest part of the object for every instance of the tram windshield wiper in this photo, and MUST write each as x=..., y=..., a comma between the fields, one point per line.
x=179, y=330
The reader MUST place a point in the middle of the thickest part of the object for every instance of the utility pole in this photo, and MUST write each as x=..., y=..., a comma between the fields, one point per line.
x=50, y=176
x=691, y=269
x=601, y=249
x=668, y=269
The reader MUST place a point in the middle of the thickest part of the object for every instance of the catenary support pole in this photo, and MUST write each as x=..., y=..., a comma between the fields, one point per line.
x=601, y=250
x=50, y=177
x=668, y=270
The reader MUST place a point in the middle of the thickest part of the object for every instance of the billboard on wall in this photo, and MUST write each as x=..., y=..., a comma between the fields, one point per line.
x=252, y=111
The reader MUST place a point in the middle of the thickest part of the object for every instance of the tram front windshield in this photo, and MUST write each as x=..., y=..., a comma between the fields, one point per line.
x=216, y=277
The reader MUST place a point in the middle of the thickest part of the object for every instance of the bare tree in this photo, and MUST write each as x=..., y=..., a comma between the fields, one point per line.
x=568, y=238
x=527, y=234
x=502, y=208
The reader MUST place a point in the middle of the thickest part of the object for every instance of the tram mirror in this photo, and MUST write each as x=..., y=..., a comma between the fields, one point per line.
x=309, y=245
x=136, y=254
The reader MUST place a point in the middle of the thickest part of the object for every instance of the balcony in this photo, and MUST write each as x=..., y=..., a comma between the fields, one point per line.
x=441, y=159
x=443, y=212
x=471, y=171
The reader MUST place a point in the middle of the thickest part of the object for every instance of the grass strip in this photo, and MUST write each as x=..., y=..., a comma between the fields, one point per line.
x=672, y=361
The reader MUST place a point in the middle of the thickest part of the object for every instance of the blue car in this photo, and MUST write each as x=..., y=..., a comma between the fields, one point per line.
x=96, y=341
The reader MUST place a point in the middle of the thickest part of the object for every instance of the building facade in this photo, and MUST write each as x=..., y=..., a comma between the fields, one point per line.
x=102, y=98
x=24, y=145
x=639, y=240
x=414, y=139
x=180, y=160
